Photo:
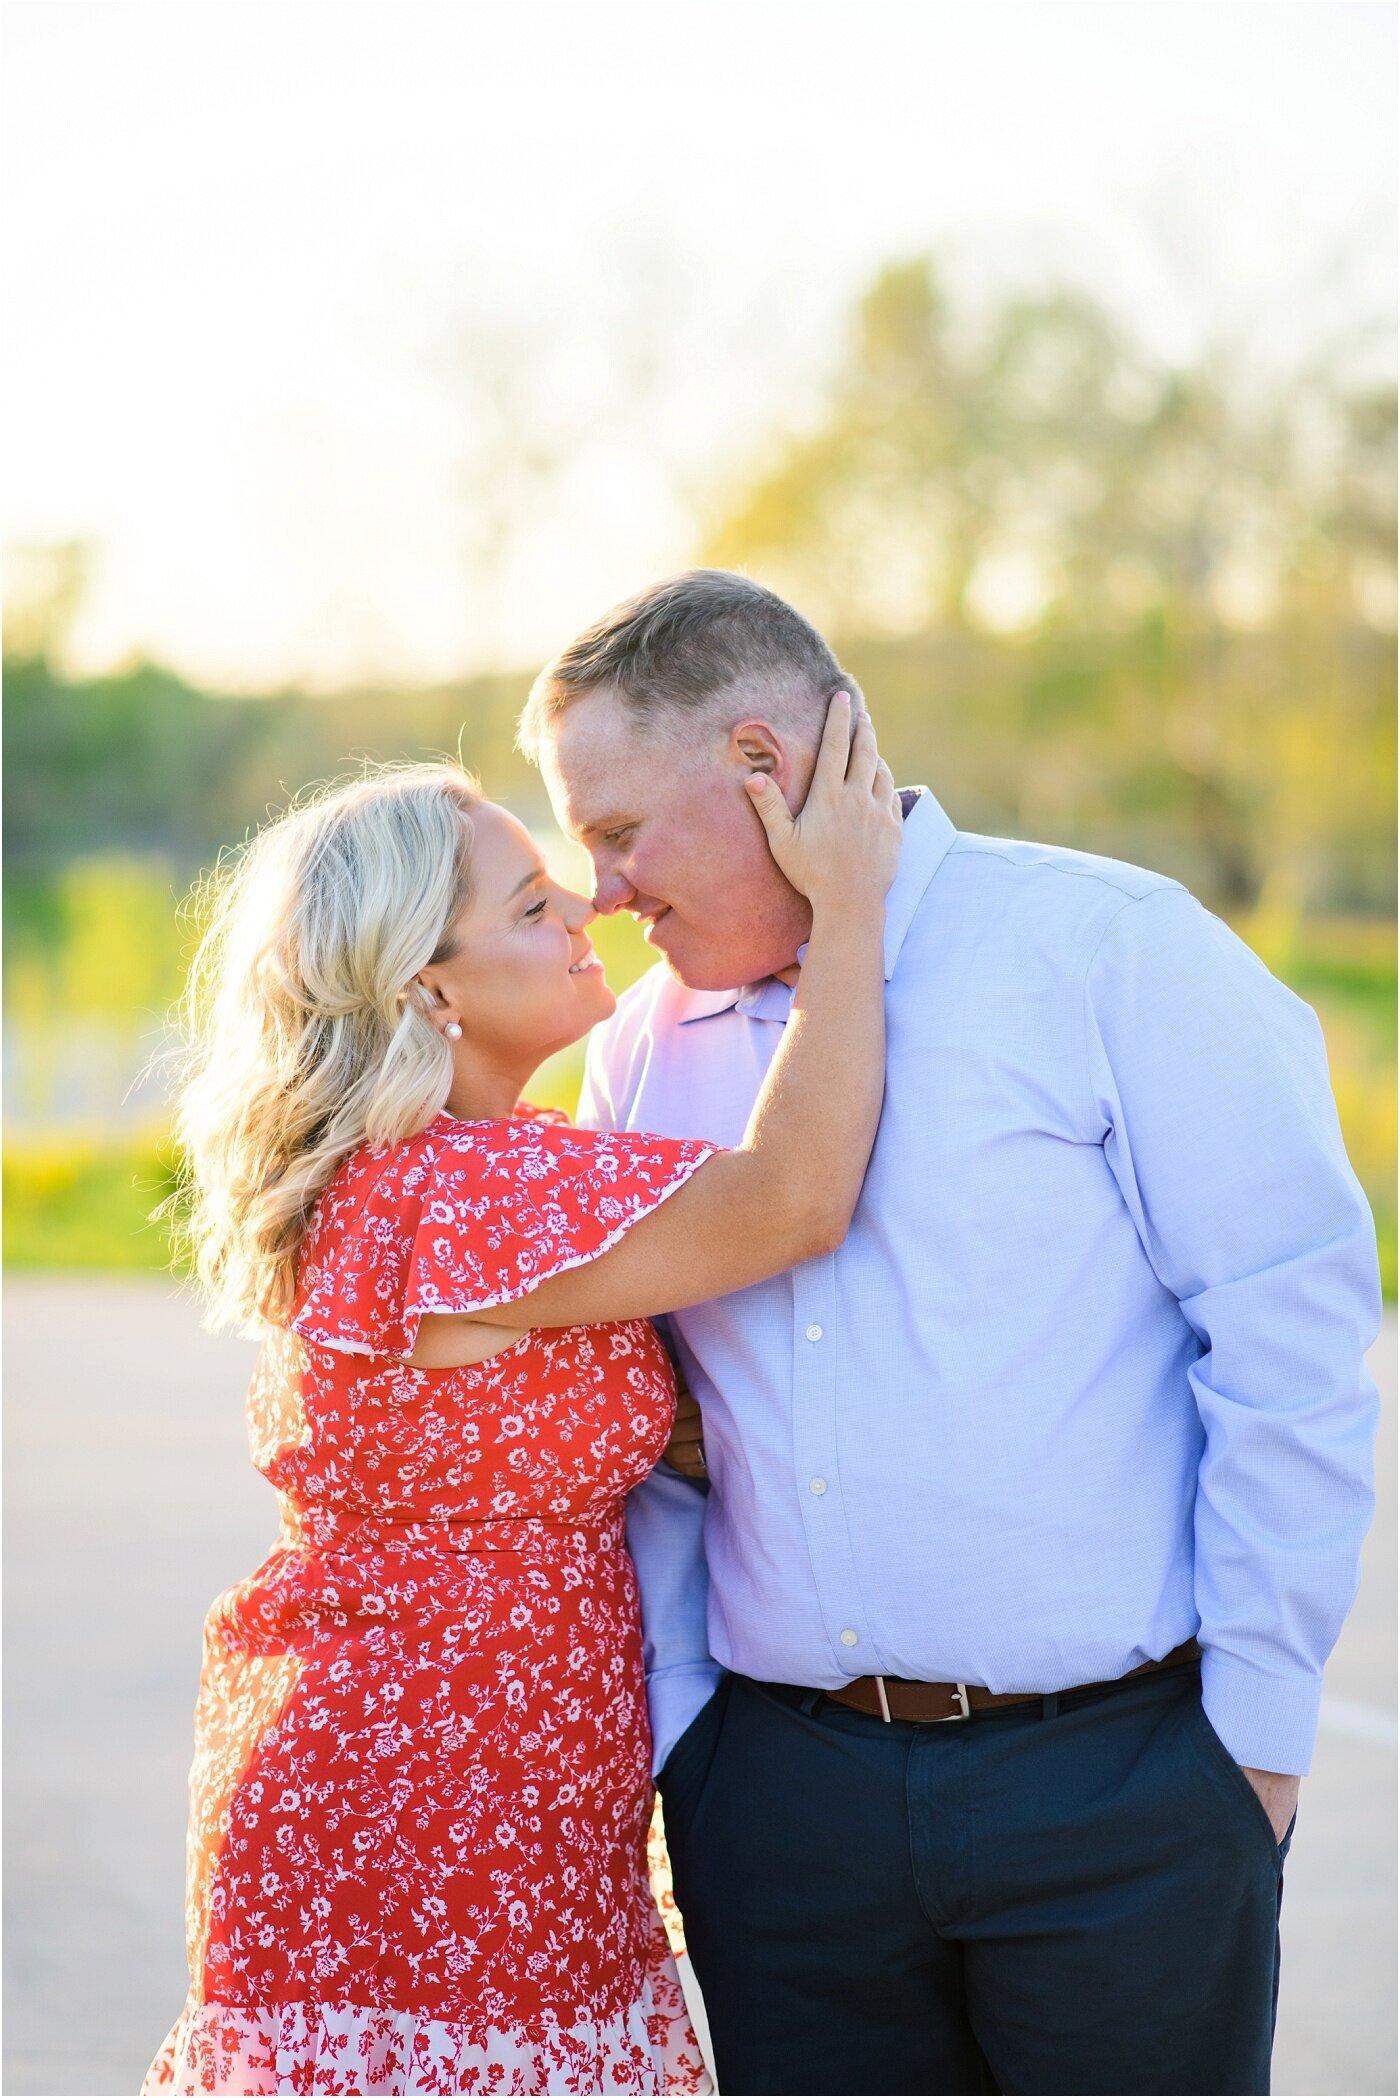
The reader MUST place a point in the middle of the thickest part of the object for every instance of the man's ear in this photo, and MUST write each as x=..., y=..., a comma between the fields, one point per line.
x=756, y=746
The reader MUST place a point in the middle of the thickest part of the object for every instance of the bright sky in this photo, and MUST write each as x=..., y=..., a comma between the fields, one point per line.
x=371, y=340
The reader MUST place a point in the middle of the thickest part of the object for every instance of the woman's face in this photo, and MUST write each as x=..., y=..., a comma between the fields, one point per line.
x=522, y=979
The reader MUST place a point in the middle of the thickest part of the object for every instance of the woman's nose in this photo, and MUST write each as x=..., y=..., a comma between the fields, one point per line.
x=578, y=910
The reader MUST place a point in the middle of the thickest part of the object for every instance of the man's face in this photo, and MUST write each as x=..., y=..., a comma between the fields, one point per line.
x=675, y=840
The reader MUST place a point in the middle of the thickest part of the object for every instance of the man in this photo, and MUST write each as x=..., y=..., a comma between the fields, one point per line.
x=1035, y=1510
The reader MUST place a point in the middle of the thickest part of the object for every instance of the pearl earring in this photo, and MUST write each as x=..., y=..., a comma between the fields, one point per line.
x=453, y=1031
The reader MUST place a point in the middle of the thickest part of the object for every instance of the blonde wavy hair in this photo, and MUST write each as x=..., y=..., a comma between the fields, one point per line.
x=302, y=1038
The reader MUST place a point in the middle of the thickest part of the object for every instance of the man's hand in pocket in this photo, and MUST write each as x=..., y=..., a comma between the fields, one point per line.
x=1278, y=1794
x=685, y=1452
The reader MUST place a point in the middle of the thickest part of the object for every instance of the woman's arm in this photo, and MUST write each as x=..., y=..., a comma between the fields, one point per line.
x=788, y=1192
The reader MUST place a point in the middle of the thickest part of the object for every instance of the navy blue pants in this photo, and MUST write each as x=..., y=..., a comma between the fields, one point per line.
x=1074, y=1897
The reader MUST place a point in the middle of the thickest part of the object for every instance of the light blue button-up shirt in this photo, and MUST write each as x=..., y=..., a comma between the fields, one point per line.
x=1086, y=1377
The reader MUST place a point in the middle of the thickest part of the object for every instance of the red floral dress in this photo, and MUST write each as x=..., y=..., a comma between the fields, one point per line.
x=421, y=1786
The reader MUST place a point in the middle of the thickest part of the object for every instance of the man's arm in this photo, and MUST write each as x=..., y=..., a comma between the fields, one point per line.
x=666, y=1513
x=665, y=1535
x=1222, y=1133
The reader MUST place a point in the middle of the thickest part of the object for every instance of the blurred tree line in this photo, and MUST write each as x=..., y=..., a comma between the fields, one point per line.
x=143, y=762
x=1145, y=611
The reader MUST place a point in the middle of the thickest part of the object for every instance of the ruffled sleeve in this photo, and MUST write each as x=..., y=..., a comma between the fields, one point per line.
x=471, y=1215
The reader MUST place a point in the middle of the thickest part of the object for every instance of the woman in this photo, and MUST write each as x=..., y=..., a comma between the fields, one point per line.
x=421, y=1785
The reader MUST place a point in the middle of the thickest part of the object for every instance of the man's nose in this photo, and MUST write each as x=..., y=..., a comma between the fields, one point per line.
x=611, y=891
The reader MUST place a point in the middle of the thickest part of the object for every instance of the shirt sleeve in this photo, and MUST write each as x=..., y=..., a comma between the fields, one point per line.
x=1219, y=1125
x=665, y=1513
x=472, y=1216
x=666, y=1537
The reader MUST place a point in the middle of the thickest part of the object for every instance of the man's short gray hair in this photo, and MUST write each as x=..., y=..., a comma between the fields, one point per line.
x=680, y=645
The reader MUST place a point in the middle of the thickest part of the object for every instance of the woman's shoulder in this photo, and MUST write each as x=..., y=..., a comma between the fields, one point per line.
x=465, y=1216
x=447, y=1140
x=382, y=1210
x=533, y=1148
x=448, y=1145
x=513, y=1159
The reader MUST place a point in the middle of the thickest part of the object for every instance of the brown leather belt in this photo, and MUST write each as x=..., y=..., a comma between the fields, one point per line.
x=890, y=1697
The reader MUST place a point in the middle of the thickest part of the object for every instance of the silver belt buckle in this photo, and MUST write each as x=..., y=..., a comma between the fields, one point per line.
x=964, y=1710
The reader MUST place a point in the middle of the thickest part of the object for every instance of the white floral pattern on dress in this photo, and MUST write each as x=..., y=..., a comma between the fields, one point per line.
x=421, y=1789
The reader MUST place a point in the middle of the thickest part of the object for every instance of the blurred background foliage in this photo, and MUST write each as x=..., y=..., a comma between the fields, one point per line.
x=1145, y=611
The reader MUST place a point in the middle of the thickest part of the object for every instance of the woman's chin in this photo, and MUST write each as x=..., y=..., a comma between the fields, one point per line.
x=596, y=1001
x=603, y=999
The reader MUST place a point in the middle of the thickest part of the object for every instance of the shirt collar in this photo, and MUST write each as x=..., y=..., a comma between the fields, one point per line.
x=928, y=833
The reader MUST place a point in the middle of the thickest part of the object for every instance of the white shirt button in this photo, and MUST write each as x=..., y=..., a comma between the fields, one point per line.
x=848, y=1637
x=814, y=1333
x=817, y=1485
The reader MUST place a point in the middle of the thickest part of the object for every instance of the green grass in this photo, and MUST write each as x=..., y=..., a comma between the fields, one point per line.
x=1346, y=969
x=73, y=1203
x=1386, y=1241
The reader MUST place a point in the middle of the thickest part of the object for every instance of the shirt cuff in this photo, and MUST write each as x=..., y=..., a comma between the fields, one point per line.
x=675, y=1696
x=1266, y=1721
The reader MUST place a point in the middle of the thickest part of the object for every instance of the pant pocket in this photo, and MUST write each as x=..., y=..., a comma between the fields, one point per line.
x=681, y=1779
x=1219, y=1761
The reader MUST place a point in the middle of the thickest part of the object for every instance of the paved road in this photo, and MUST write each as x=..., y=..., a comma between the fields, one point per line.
x=129, y=1502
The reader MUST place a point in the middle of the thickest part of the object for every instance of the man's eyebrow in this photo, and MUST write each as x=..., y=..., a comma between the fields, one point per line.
x=604, y=823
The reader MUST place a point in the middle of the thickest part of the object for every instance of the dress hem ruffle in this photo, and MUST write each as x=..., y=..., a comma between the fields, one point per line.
x=322, y=2048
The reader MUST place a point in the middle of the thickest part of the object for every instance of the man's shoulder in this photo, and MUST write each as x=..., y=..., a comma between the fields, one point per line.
x=1035, y=911
x=1056, y=898
x=1058, y=872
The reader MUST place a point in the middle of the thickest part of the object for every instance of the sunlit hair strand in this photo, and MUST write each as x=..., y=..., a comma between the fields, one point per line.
x=304, y=1036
